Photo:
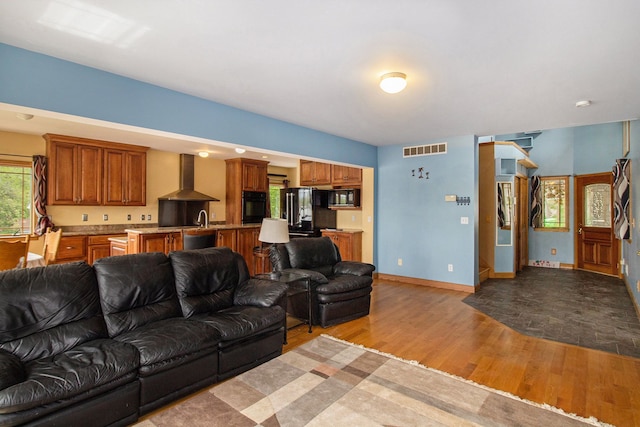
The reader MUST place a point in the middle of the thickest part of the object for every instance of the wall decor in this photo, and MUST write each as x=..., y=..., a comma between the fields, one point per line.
x=421, y=173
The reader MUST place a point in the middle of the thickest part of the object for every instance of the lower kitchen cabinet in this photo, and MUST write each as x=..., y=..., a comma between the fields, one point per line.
x=154, y=242
x=98, y=247
x=349, y=243
x=227, y=237
x=247, y=242
x=72, y=248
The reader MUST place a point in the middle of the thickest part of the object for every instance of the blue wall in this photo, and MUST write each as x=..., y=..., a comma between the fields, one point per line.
x=39, y=81
x=414, y=221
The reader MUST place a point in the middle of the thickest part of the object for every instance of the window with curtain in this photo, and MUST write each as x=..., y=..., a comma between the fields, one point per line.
x=16, y=216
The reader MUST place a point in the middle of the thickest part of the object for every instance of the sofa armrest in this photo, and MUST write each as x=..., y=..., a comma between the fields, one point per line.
x=353, y=268
x=11, y=370
x=315, y=276
x=260, y=293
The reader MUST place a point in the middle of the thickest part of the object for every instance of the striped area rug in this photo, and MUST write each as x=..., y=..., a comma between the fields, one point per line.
x=329, y=382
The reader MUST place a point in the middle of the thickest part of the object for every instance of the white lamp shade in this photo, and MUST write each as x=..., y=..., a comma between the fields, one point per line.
x=393, y=82
x=274, y=230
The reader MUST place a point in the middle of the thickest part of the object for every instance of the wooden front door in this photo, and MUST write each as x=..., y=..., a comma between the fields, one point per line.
x=596, y=248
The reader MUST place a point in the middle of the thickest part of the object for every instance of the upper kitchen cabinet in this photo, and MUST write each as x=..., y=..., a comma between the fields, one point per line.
x=125, y=177
x=345, y=175
x=91, y=172
x=75, y=172
x=314, y=173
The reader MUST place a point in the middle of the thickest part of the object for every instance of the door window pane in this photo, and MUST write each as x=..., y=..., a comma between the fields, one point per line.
x=597, y=205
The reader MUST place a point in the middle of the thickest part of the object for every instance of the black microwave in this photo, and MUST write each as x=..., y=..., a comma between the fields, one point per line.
x=344, y=198
x=254, y=207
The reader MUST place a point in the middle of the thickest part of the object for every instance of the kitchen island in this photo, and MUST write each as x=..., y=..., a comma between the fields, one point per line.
x=242, y=238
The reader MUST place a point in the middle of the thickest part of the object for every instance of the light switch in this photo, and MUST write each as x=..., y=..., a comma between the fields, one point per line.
x=450, y=198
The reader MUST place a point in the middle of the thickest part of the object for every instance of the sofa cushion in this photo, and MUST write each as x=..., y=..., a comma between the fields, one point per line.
x=312, y=252
x=70, y=373
x=354, y=268
x=244, y=321
x=136, y=290
x=171, y=342
x=11, y=370
x=47, y=310
x=206, y=279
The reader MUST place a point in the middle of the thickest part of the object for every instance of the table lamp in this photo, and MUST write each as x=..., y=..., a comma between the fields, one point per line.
x=273, y=230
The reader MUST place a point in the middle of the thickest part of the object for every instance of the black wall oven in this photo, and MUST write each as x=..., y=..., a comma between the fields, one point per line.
x=254, y=207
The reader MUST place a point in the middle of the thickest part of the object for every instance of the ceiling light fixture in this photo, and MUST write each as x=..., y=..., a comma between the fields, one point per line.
x=584, y=103
x=393, y=82
x=24, y=116
x=240, y=150
x=203, y=154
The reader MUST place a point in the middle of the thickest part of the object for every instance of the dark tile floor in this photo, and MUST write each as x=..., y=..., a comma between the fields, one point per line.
x=570, y=306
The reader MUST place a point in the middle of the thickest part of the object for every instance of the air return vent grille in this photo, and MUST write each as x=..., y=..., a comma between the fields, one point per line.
x=425, y=150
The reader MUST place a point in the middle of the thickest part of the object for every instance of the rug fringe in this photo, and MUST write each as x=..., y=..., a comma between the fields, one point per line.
x=591, y=420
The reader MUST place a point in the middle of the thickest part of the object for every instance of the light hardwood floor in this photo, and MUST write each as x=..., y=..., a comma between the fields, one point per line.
x=434, y=327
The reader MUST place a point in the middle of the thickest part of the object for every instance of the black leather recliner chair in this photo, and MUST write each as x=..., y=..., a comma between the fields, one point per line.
x=341, y=290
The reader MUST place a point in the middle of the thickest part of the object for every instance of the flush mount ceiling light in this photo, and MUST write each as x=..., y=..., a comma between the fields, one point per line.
x=393, y=82
x=240, y=150
x=584, y=103
x=24, y=116
x=203, y=154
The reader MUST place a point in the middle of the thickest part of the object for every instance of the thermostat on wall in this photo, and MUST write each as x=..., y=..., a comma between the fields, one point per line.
x=450, y=198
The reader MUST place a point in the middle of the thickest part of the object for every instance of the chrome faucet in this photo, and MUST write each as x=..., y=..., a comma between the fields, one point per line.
x=206, y=218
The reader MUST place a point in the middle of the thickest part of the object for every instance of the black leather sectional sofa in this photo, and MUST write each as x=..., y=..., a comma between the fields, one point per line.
x=102, y=345
x=341, y=290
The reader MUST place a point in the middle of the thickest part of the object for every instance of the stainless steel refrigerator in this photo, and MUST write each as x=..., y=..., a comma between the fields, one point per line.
x=307, y=211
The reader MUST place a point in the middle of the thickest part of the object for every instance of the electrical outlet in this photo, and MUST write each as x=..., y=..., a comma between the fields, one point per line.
x=128, y=217
x=400, y=261
x=553, y=251
x=464, y=220
x=85, y=217
x=353, y=218
x=105, y=217
x=213, y=215
x=149, y=217
x=450, y=267
x=142, y=217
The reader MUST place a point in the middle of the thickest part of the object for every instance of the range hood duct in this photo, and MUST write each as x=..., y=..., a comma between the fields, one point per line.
x=186, y=192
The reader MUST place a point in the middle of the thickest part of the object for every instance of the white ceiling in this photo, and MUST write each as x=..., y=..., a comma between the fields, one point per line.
x=474, y=67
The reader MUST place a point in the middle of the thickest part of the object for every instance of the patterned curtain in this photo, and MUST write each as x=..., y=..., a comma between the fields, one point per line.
x=621, y=191
x=501, y=217
x=40, y=194
x=535, y=219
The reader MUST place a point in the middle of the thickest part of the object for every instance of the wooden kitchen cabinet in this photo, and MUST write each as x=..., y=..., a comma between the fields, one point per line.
x=345, y=175
x=314, y=173
x=349, y=243
x=227, y=237
x=247, y=241
x=75, y=173
x=125, y=176
x=72, y=248
x=91, y=172
x=243, y=175
x=154, y=242
x=99, y=247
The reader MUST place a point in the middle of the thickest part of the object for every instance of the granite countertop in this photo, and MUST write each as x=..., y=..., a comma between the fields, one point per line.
x=343, y=230
x=153, y=230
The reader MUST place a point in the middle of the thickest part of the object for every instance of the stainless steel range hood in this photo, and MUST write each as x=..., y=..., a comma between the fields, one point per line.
x=186, y=192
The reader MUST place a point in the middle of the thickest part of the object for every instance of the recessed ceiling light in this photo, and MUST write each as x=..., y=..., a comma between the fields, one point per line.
x=584, y=103
x=24, y=116
x=240, y=150
x=203, y=154
x=393, y=82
